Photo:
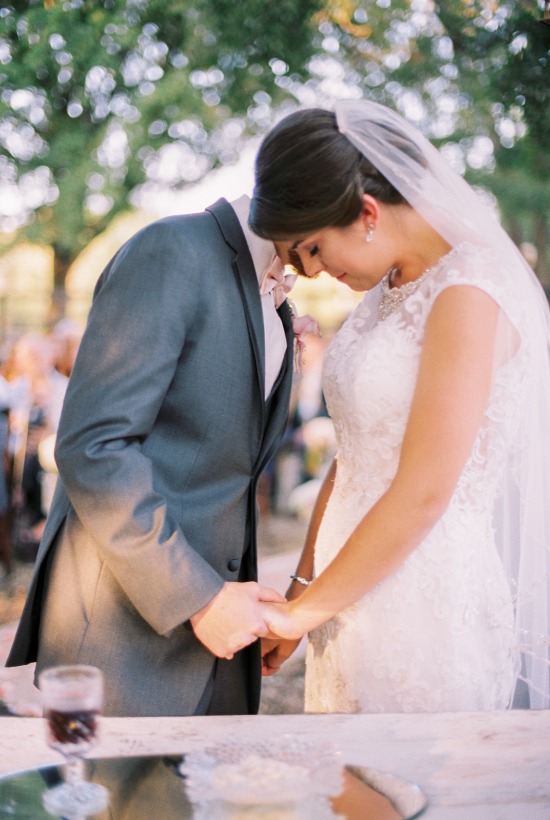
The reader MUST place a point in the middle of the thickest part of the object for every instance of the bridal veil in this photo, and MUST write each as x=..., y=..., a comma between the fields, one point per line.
x=522, y=511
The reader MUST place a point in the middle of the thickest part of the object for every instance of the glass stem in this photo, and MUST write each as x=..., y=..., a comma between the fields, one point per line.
x=74, y=770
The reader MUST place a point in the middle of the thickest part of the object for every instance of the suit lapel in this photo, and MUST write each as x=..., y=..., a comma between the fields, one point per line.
x=285, y=314
x=247, y=282
x=280, y=395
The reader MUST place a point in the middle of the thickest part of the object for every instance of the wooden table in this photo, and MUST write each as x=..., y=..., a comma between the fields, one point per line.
x=478, y=766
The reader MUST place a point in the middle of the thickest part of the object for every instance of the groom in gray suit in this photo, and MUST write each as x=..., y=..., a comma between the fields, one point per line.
x=147, y=566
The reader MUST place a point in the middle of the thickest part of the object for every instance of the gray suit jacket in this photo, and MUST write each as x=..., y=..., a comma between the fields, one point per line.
x=163, y=436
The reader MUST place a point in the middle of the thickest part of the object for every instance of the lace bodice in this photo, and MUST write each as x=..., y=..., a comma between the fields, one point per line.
x=437, y=633
x=369, y=377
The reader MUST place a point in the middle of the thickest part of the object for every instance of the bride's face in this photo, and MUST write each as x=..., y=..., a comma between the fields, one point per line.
x=344, y=254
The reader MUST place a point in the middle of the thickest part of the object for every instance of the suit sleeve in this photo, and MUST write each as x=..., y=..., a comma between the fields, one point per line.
x=144, y=306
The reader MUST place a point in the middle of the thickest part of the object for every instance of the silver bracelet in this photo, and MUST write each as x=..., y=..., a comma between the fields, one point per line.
x=300, y=580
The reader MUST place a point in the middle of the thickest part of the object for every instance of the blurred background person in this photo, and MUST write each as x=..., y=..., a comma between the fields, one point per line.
x=5, y=539
x=306, y=448
x=38, y=390
x=65, y=339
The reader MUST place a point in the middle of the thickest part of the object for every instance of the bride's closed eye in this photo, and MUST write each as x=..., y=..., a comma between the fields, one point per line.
x=314, y=250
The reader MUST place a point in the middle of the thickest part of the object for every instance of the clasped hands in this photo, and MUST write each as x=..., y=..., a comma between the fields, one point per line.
x=242, y=612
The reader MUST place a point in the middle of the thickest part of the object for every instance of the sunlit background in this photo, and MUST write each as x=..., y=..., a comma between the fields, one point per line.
x=116, y=112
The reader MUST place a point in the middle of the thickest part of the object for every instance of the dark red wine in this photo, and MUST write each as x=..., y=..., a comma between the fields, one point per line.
x=72, y=727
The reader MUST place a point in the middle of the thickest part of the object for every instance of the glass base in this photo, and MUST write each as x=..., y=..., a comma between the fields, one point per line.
x=75, y=801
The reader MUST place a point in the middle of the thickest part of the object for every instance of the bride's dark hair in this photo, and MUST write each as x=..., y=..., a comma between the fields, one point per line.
x=309, y=176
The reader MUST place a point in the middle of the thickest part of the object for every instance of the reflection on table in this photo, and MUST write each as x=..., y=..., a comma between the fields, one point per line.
x=481, y=765
x=146, y=787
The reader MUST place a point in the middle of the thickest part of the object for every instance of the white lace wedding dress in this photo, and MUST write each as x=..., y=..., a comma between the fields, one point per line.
x=437, y=634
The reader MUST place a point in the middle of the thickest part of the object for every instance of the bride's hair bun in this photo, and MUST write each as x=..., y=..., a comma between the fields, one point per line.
x=309, y=176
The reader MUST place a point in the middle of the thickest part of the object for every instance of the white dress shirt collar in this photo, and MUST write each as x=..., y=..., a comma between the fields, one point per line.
x=262, y=252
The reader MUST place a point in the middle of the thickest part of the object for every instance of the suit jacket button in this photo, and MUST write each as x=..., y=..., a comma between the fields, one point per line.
x=233, y=565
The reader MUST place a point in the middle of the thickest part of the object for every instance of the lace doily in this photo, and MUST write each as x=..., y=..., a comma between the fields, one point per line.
x=285, y=779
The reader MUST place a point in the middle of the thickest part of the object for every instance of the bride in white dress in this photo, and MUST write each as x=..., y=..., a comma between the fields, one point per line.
x=424, y=579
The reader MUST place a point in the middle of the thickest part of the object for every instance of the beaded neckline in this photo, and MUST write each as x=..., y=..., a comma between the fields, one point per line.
x=391, y=298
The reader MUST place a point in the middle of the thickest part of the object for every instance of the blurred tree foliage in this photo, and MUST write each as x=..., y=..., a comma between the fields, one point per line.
x=506, y=69
x=98, y=97
x=475, y=76
x=99, y=100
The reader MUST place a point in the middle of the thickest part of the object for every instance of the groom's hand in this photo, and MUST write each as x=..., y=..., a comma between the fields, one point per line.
x=232, y=619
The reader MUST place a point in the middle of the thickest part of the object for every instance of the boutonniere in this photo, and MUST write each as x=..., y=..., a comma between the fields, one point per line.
x=302, y=327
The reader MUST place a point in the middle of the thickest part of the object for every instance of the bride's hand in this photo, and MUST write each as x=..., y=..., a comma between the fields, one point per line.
x=279, y=645
x=280, y=621
x=275, y=651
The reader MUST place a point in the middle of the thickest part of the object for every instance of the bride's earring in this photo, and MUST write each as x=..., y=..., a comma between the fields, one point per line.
x=370, y=232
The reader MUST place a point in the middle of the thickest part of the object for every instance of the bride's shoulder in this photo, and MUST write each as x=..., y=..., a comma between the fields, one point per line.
x=467, y=261
x=468, y=264
x=482, y=268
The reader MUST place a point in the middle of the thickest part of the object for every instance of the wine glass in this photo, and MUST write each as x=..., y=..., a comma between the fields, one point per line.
x=72, y=697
